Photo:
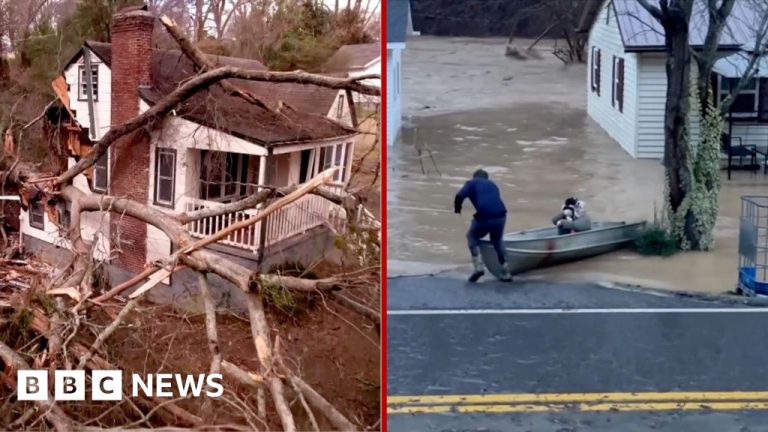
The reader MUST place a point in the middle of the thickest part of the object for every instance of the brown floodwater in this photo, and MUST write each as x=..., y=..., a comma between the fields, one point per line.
x=539, y=152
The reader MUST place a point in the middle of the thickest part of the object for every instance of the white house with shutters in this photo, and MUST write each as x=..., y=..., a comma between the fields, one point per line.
x=398, y=24
x=626, y=78
x=213, y=149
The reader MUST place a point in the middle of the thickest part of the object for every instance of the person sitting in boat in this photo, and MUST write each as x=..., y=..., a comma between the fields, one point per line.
x=490, y=218
x=572, y=217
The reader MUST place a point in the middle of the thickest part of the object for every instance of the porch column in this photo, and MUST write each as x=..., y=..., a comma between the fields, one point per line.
x=262, y=171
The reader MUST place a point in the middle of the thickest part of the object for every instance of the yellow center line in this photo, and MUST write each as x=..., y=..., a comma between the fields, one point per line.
x=620, y=407
x=522, y=398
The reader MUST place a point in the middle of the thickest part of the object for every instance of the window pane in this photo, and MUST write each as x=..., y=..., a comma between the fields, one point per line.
x=99, y=178
x=347, y=157
x=36, y=218
x=214, y=191
x=102, y=161
x=337, y=159
x=327, y=157
x=744, y=103
x=231, y=174
x=165, y=193
x=166, y=164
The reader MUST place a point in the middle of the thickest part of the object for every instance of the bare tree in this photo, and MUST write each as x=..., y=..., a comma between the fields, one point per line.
x=692, y=174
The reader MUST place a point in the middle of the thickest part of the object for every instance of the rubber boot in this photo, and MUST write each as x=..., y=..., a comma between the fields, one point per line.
x=477, y=262
x=506, y=275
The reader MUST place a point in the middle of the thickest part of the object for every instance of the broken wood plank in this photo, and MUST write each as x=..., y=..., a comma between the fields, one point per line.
x=151, y=282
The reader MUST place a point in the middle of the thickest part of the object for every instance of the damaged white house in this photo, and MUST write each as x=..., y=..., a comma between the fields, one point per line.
x=215, y=148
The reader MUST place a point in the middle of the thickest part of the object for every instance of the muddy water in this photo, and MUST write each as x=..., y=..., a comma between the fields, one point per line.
x=538, y=153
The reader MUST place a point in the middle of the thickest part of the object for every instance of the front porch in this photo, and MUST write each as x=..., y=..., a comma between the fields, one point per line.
x=310, y=211
x=210, y=179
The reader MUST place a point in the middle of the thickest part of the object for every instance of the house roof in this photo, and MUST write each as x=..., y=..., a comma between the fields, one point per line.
x=736, y=65
x=641, y=32
x=213, y=107
x=397, y=20
x=352, y=57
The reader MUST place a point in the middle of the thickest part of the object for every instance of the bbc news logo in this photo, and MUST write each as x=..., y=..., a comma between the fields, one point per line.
x=107, y=385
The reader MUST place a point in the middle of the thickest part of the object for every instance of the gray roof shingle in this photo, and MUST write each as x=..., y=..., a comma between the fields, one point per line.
x=641, y=32
x=397, y=20
x=351, y=57
x=216, y=108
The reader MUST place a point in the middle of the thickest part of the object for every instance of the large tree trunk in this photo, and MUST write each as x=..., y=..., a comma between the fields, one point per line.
x=677, y=155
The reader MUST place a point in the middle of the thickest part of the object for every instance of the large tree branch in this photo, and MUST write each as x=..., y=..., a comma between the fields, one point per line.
x=52, y=412
x=653, y=10
x=203, y=64
x=200, y=82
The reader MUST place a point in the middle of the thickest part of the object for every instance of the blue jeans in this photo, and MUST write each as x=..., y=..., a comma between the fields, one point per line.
x=482, y=227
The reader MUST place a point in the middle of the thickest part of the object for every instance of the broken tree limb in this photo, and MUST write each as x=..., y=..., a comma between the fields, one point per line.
x=107, y=333
x=260, y=333
x=41, y=325
x=198, y=83
x=322, y=178
x=175, y=230
x=248, y=379
x=52, y=412
x=256, y=199
x=357, y=307
x=316, y=400
x=205, y=65
x=129, y=283
x=243, y=377
x=210, y=323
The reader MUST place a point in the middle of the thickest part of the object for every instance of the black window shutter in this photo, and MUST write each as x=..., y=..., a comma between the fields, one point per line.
x=762, y=102
x=599, y=64
x=613, y=82
x=621, y=85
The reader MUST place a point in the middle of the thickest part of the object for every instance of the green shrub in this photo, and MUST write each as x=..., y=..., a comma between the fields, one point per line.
x=656, y=240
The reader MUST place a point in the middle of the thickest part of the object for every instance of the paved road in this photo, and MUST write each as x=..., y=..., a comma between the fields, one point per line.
x=544, y=357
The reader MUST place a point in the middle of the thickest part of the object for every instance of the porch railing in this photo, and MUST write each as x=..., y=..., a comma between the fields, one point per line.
x=305, y=213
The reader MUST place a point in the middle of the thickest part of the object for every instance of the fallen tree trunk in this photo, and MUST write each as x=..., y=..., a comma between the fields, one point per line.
x=52, y=412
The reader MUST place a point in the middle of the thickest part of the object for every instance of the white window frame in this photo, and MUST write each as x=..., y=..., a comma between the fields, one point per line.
x=167, y=152
x=336, y=151
x=97, y=168
x=82, y=87
x=754, y=91
x=31, y=212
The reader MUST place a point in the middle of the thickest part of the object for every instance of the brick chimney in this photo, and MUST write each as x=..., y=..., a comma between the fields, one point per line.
x=131, y=69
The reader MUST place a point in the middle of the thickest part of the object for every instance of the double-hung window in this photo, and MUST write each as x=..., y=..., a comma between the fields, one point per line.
x=165, y=176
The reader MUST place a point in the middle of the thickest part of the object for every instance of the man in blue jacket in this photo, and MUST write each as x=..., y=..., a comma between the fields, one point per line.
x=490, y=218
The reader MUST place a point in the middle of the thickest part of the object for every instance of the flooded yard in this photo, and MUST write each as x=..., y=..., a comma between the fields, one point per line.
x=525, y=122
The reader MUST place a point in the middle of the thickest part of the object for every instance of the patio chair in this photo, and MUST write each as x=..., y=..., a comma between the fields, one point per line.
x=740, y=150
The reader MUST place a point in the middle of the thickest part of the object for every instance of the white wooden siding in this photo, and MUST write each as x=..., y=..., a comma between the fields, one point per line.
x=346, y=115
x=95, y=225
x=374, y=67
x=102, y=108
x=619, y=125
x=751, y=134
x=394, y=91
x=651, y=105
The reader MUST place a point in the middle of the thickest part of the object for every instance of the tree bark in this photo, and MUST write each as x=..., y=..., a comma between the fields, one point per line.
x=676, y=149
x=706, y=58
x=52, y=412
